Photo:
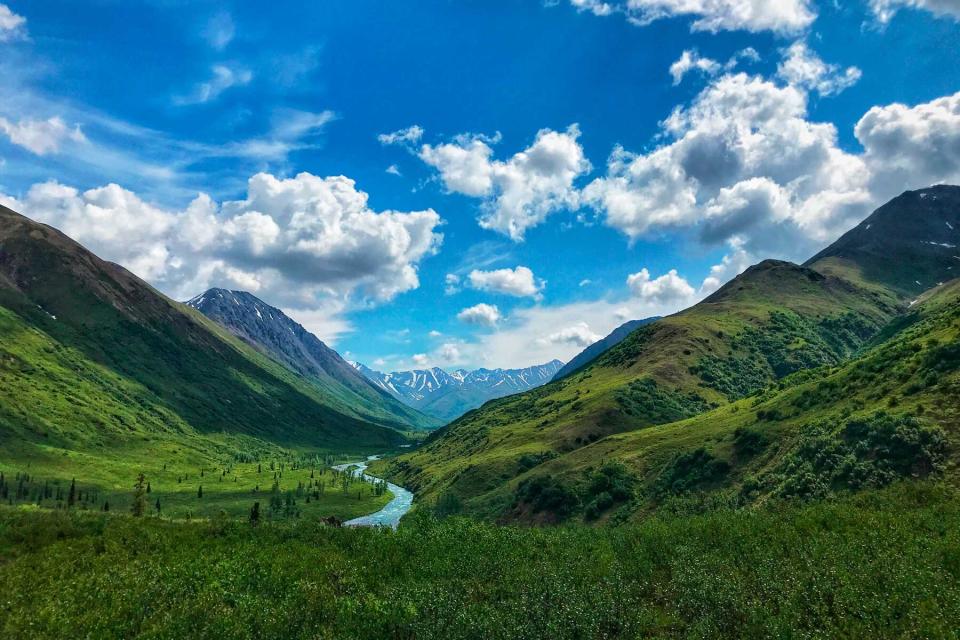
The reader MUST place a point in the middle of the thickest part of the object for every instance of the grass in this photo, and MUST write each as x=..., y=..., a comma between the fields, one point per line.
x=283, y=487
x=881, y=564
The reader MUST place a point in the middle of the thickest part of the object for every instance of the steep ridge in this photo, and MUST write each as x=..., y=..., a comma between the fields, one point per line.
x=774, y=320
x=448, y=395
x=601, y=346
x=92, y=359
x=271, y=331
x=908, y=245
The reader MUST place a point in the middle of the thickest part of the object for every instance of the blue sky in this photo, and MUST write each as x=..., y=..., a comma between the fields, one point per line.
x=519, y=177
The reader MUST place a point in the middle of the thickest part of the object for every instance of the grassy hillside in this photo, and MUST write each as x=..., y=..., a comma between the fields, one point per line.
x=102, y=377
x=884, y=564
x=772, y=321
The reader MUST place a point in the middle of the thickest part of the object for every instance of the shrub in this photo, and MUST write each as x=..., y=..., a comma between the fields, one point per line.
x=690, y=471
x=860, y=453
x=607, y=486
x=546, y=493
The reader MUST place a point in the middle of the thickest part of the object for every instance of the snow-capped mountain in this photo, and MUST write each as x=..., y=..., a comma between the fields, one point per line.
x=271, y=331
x=448, y=395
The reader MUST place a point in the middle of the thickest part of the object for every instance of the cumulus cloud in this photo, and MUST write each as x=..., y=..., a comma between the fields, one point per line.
x=669, y=288
x=449, y=352
x=41, y=136
x=691, y=60
x=420, y=359
x=884, y=10
x=409, y=136
x=12, y=26
x=802, y=67
x=910, y=147
x=744, y=162
x=223, y=77
x=393, y=170
x=451, y=284
x=518, y=193
x=519, y=282
x=294, y=241
x=579, y=335
x=480, y=314
x=782, y=16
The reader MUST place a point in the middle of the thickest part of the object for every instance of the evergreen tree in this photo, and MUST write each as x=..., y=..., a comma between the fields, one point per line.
x=255, y=514
x=72, y=497
x=106, y=506
x=158, y=506
x=139, y=505
x=199, y=491
x=148, y=488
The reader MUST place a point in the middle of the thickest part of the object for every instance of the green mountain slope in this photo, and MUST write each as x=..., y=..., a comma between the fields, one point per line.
x=771, y=323
x=96, y=365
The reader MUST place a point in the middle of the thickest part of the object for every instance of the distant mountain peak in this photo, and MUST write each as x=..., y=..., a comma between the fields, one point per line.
x=447, y=395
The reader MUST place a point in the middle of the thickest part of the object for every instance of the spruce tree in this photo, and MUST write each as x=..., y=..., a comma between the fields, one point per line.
x=139, y=505
x=72, y=497
x=199, y=491
x=255, y=514
x=158, y=506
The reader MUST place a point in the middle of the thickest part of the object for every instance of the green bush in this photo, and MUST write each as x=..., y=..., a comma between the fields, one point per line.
x=690, y=471
x=860, y=453
x=548, y=494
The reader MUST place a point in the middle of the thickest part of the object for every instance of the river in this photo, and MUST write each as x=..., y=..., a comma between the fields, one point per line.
x=390, y=515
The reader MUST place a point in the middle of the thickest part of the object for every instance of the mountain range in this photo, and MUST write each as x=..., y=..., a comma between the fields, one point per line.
x=447, y=396
x=752, y=394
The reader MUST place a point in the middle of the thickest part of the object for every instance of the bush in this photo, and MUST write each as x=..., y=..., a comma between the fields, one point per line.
x=609, y=485
x=689, y=471
x=748, y=442
x=548, y=494
x=860, y=453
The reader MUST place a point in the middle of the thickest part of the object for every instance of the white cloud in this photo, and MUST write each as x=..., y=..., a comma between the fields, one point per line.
x=911, y=147
x=451, y=284
x=518, y=282
x=434, y=334
x=223, y=77
x=420, y=359
x=294, y=241
x=579, y=335
x=779, y=16
x=409, y=136
x=12, y=26
x=325, y=320
x=740, y=129
x=481, y=314
x=393, y=170
x=585, y=282
x=518, y=193
x=669, y=288
x=449, y=352
x=41, y=136
x=886, y=9
x=802, y=67
x=691, y=60
x=220, y=31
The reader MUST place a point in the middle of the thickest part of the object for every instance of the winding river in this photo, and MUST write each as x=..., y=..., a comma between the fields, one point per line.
x=390, y=515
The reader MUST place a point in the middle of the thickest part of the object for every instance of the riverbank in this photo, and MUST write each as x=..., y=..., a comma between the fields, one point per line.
x=390, y=515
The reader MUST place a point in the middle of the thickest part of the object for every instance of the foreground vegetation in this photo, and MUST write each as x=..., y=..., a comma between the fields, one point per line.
x=881, y=564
